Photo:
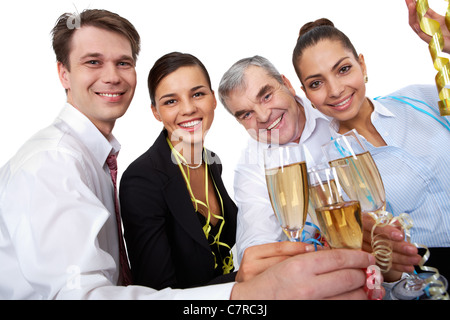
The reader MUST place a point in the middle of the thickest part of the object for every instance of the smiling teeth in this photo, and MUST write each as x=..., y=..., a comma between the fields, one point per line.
x=110, y=95
x=343, y=102
x=275, y=123
x=190, y=124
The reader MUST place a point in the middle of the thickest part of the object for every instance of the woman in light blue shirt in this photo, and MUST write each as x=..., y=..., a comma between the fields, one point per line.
x=409, y=140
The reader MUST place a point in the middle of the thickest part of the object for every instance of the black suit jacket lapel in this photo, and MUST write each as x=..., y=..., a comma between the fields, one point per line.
x=176, y=194
x=230, y=209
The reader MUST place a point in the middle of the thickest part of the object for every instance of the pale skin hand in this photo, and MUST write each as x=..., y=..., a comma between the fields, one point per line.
x=405, y=255
x=414, y=23
x=258, y=258
x=325, y=274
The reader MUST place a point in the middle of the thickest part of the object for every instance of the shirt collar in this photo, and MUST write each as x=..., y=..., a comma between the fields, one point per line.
x=378, y=110
x=88, y=133
x=312, y=116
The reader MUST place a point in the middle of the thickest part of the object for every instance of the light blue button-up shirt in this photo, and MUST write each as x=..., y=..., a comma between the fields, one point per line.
x=415, y=164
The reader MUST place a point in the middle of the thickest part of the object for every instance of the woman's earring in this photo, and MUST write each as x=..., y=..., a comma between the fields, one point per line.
x=312, y=104
x=366, y=78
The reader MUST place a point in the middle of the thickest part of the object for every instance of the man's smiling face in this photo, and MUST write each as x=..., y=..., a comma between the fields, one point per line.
x=267, y=108
x=101, y=78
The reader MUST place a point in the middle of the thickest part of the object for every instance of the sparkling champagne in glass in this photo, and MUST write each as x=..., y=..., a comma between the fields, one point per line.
x=337, y=209
x=348, y=149
x=338, y=212
x=287, y=184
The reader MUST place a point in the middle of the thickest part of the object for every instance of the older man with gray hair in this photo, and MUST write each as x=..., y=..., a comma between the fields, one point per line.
x=265, y=103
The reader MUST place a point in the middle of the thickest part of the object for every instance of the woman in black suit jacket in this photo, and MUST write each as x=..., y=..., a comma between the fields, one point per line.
x=179, y=221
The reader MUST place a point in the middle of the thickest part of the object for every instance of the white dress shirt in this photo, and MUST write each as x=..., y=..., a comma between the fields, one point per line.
x=257, y=223
x=58, y=234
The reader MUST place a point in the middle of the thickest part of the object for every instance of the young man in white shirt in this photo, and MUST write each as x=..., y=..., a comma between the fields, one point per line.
x=58, y=232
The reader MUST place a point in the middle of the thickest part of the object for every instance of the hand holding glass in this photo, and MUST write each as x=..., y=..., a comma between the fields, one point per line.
x=338, y=212
x=349, y=149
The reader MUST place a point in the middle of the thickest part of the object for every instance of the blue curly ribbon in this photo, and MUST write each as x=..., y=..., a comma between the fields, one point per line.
x=307, y=237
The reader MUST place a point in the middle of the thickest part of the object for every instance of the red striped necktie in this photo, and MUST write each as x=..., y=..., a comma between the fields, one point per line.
x=125, y=273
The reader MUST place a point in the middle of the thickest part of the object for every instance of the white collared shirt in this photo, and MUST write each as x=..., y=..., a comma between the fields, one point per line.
x=256, y=221
x=58, y=234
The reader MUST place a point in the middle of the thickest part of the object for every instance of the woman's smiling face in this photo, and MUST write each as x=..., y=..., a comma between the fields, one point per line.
x=185, y=104
x=333, y=79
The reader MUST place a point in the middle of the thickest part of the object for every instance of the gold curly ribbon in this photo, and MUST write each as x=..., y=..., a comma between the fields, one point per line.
x=227, y=262
x=433, y=29
x=435, y=287
x=381, y=246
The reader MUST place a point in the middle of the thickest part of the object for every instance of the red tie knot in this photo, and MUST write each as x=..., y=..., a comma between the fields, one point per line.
x=111, y=161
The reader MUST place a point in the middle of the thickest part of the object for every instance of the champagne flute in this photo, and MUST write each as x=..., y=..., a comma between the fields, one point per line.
x=348, y=149
x=287, y=184
x=337, y=208
x=338, y=212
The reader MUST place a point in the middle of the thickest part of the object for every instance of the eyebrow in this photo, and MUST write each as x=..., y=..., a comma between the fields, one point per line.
x=99, y=55
x=170, y=95
x=91, y=55
x=240, y=113
x=261, y=93
x=332, y=69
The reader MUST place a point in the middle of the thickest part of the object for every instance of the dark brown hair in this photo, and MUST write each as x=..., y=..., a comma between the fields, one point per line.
x=68, y=23
x=170, y=63
x=313, y=32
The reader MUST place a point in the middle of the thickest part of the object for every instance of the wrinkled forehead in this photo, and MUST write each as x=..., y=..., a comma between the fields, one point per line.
x=255, y=83
x=238, y=99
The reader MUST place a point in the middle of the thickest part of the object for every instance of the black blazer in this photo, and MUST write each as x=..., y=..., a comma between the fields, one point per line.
x=165, y=240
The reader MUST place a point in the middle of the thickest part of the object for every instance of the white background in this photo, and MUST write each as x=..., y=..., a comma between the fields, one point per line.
x=218, y=33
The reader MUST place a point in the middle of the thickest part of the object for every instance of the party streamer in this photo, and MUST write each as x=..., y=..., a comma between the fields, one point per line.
x=434, y=288
x=441, y=64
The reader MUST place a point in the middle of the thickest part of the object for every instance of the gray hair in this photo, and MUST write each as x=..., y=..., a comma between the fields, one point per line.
x=234, y=78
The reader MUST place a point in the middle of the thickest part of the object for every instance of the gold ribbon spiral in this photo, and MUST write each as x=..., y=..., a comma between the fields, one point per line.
x=381, y=246
x=432, y=28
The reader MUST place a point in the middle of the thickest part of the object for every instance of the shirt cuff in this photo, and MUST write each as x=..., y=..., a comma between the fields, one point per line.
x=211, y=292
